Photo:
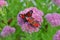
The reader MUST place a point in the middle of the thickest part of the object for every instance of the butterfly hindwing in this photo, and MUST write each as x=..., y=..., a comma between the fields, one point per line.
x=32, y=22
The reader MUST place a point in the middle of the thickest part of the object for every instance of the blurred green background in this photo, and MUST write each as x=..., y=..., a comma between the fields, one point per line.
x=12, y=10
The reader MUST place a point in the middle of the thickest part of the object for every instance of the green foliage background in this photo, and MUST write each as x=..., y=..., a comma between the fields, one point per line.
x=14, y=7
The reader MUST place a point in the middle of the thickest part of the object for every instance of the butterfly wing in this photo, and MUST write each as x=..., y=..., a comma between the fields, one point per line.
x=29, y=19
x=35, y=24
x=32, y=22
x=29, y=14
x=22, y=16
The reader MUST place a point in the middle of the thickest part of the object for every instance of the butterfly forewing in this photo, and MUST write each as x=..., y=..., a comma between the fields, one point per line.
x=22, y=16
x=29, y=14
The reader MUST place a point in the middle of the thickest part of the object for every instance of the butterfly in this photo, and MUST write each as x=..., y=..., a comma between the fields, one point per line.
x=32, y=21
x=28, y=14
x=28, y=18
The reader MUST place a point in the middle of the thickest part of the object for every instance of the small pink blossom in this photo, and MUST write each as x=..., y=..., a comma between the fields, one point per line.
x=37, y=15
x=57, y=35
x=57, y=2
x=3, y=3
x=7, y=30
x=53, y=19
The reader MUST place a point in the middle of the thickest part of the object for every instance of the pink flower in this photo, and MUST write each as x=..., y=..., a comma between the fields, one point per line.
x=57, y=2
x=37, y=15
x=53, y=19
x=57, y=35
x=7, y=30
x=3, y=3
